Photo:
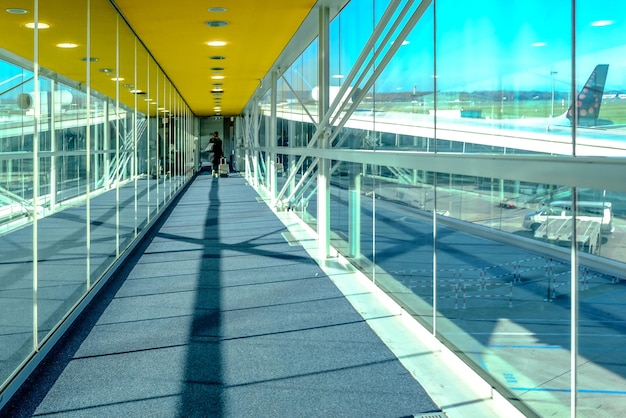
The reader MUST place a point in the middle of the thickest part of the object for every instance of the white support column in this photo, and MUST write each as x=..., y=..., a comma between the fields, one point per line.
x=574, y=301
x=574, y=307
x=291, y=167
x=266, y=156
x=323, y=176
x=247, y=140
x=97, y=169
x=255, y=138
x=195, y=132
x=35, y=214
x=323, y=200
x=239, y=143
x=271, y=140
x=88, y=156
x=106, y=144
x=54, y=147
x=354, y=214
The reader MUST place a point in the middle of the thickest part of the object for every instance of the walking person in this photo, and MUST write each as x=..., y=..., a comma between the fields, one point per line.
x=218, y=153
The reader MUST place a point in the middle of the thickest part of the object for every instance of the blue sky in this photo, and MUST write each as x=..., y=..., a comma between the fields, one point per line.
x=494, y=44
x=484, y=45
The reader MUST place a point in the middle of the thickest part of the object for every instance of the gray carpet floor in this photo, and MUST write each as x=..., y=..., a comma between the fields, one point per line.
x=218, y=316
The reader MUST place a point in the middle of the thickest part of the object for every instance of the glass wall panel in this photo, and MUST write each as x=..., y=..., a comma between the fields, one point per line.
x=61, y=284
x=488, y=262
x=154, y=165
x=161, y=171
x=142, y=137
x=297, y=85
x=307, y=71
x=296, y=112
x=403, y=198
x=601, y=372
x=503, y=74
x=102, y=244
x=103, y=118
x=16, y=208
x=404, y=89
x=164, y=137
x=299, y=197
x=70, y=136
x=125, y=139
x=350, y=69
x=349, y=34
x=352, y=43
x=600, y=79
x=264, y=140
x=76, y=151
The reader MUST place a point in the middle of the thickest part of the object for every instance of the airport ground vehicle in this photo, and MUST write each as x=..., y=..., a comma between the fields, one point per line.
x=561, y=209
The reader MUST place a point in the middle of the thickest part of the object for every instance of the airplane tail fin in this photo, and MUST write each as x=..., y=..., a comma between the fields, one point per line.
x=589, y=98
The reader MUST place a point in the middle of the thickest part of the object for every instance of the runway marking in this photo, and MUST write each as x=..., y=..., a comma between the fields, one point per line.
x=603, y=392
x=548, y=347
x=510, y=378
x=553, y=334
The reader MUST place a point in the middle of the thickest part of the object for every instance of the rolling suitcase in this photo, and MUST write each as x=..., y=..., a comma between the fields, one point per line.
x=223, y=169
x=280, y=168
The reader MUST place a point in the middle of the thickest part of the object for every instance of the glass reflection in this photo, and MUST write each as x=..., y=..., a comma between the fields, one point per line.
x=16, y=186
x=75, y=152
x=501, y=285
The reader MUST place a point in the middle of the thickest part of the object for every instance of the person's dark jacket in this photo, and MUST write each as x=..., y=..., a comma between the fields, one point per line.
x=218, y=151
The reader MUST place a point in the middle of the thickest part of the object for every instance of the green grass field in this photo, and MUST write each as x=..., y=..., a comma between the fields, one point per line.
x=611, y=109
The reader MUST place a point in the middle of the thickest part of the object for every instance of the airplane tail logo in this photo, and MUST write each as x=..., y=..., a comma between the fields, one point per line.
x=589, y=98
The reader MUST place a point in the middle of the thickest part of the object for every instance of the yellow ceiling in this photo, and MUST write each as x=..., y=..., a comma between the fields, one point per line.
x=175, y=33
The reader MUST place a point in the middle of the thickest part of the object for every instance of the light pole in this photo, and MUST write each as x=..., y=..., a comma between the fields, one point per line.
x=553, y=74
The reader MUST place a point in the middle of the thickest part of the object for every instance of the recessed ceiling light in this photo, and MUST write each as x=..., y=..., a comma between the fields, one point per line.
x=216, y=23
x=106, y=70
x=217, y=9
x=217, y=57
x=16, y=11
x=40, y=25
x=216, y=43
x=538, y=44
x=67, y=45
x=117, y=78
x=217, y=77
